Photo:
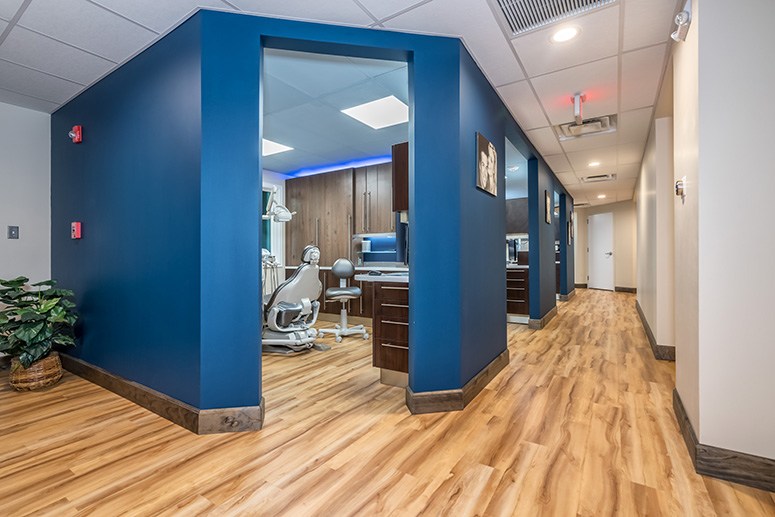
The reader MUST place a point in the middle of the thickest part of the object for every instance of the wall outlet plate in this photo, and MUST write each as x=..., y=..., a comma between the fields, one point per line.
x=13, y=232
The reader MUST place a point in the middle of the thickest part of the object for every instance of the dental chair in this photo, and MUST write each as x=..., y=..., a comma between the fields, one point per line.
x=343, y=269
x=292, y=309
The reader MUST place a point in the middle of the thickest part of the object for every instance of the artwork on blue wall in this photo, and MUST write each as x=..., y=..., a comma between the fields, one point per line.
x=487, y=165
x=547, y=207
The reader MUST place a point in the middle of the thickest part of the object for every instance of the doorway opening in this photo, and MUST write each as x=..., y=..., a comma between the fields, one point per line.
x=335, y=154
x=517, y=237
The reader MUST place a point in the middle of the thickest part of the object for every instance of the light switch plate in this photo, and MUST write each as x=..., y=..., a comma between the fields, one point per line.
x=13, y=232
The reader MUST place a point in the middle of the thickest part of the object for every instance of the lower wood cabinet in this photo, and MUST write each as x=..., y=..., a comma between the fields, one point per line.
x=517, y=291
x=390, y=326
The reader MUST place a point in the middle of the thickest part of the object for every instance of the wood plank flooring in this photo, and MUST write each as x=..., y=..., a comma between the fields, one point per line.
x=580, y=423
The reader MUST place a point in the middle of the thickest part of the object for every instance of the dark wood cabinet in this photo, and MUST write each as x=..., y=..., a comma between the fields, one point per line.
x=400, y=172
x=390, y=326
x=323, y=206
x=517, y=291
x=372, y=199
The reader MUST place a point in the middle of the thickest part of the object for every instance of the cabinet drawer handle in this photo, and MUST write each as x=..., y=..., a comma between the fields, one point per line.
x=389, y=322
x=395, y=288
x=391, y=345
x=395, y=305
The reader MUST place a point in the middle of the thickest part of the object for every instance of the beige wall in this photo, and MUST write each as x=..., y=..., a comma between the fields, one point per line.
x=685, y=161
x=655, y=246
x=624, y=242
x=25, y=192
x=736, y=240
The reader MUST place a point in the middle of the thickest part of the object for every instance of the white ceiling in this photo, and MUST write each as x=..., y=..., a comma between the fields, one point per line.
x=50, y=50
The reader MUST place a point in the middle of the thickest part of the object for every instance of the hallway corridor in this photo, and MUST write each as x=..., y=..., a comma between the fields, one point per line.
x=579, y=423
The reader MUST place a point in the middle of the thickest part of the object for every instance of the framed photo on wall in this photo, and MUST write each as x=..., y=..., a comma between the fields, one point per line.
x=572, y=231
x=486, y=166
x=547, y=207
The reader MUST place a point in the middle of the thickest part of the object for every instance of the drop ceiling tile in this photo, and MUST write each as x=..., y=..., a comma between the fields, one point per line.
x=641, y=72
x=313, y=74
x=545, y=140
x=634, y=125
x=630, y=153
x=580, y=160
x=628, y=171
x=357, y=95
x=341, y=12
x=35, y=84
x=596, y=40
x=590, y=142
x=567, y=179
x=3, y=25
x=24, y=101
x=377, y=67
x=558, y=163
x=647, y=22
x=478, y=29
x=397, y=82
x=33, y=50
x=598, y=80
x=8, y=8
x=279, y=95
x=382, y=9
x=522, y=103
x=156, y=15
x=86, y=26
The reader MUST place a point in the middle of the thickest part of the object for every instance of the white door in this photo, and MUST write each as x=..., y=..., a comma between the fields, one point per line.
x=601, y=251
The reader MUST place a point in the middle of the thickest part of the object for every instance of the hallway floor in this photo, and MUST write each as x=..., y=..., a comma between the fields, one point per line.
x=579, y=423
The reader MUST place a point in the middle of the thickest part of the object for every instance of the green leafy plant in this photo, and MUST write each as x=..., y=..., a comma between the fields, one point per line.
x=34, y=318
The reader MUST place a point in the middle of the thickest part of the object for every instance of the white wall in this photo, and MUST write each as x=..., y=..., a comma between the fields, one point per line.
x=736, y=240
x=25, y=192
x=654, y=195
x=624, y=242
x=686, y=164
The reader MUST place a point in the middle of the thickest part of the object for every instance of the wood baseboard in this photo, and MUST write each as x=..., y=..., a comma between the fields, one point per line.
x=539, y=324
x=199, y=421
x=567, y=297
x=738, y=467
x=662, y=352
x=580, y=286
x=455, y=400
x=625, y=289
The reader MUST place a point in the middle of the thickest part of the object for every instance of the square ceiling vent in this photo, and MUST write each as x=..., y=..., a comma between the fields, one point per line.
x=521, y=16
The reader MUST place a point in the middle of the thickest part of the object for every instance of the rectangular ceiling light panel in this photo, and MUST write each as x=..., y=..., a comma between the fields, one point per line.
x=380, y=113
x=268, y=148
x=521, y=16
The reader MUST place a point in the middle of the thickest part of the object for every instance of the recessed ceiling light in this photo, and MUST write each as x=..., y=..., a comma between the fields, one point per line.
x=565, y=34
x=268, y=148
x=601, y=196
x=594, y=164
x=380, y=113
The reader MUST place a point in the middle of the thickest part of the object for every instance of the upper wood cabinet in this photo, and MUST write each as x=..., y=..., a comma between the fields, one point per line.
x=400, y=169
x=372, y=199
x=323, y=205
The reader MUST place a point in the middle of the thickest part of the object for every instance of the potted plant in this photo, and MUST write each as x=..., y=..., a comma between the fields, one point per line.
x=32, y=320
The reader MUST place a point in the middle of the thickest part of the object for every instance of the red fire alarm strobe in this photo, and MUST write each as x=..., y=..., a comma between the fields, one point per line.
x=76, y=134
x=75, y=230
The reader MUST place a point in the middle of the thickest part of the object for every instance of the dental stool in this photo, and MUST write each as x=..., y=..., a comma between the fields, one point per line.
x=343, y=269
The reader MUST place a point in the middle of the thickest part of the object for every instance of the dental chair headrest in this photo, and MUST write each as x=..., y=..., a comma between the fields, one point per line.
x=310, y=255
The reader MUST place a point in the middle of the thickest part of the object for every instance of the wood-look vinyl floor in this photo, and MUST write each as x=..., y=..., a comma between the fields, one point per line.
x=579, y=423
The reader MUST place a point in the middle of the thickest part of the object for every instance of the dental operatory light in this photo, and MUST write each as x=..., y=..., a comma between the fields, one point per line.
x=268, y=148
x=683, y=20
x=381, y=113
x=565, y=34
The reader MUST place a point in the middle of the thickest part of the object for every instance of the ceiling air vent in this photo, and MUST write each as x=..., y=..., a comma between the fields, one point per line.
x=597, y=178
x=592, y=126
x=521, y=16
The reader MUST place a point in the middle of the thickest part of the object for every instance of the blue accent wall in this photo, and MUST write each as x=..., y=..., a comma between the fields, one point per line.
x=167, y=184
x=134, y=183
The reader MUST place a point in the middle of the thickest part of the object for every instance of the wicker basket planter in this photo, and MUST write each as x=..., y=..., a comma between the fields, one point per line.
x=40, y=374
